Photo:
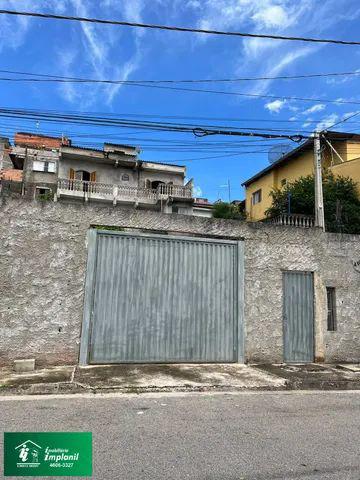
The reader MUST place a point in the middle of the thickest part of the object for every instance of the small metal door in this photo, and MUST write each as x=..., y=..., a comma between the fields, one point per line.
x=298, y=312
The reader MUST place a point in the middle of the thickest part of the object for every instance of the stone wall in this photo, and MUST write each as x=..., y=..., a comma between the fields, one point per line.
x=43, y=253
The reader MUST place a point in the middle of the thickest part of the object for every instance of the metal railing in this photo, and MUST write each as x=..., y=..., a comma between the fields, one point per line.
x=294, y=220
x=119, y=192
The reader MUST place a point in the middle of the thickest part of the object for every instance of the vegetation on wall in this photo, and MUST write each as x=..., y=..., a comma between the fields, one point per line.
x=341, y=201
x=108, y=227
x=228, y=211
x=45, y=197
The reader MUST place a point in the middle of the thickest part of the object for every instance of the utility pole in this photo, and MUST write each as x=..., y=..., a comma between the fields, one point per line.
x=229, y=190
x=319, y=198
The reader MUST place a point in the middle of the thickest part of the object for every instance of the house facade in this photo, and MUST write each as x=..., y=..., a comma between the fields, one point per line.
x=54, y=168
x=341, y=156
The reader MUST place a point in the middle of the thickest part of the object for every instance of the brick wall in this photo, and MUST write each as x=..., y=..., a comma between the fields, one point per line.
x=11, y=174
x=39, y=141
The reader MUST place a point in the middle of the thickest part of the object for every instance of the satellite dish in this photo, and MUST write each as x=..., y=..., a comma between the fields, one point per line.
x=278, y=151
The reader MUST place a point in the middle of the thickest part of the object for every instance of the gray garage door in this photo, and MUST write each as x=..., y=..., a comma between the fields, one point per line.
x=162, y=299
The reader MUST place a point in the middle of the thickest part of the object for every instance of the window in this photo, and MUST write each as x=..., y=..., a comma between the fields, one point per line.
x=83, y=175
x=331, y=309
x=41, y=166
x=283, y=182
x=155, y=184
x=43, y=193
x=256, y=197
x=125, y=177
x=42, y=190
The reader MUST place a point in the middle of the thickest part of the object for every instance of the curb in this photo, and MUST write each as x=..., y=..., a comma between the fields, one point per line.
x=72, y=388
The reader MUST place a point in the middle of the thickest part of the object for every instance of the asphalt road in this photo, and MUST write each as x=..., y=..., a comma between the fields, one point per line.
x=262, y=436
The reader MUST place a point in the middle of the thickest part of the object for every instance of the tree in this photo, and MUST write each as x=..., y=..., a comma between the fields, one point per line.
x=341, y=201
x=228, y=210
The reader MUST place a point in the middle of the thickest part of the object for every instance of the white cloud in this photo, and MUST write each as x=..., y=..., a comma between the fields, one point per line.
x=13, y=30
x=293, y=108
x=89, y=50
x=102, y=54
x=319, y=107
x=273, y=16
x=66, y=59
x=124, y=71
x=265, y=57
x=270, y=62
x=328, y=121
x=197, y=191
x=275, y=106
x=350, y=114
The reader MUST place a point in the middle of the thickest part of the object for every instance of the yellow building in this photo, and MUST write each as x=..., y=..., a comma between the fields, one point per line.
x=341, y=155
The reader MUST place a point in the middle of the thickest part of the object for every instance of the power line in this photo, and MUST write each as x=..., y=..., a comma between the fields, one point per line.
x=176, y=28
x=58, y=78
x=238, y=94
x=344, y=120
x=193, y=117
x=218, y=92
x=222, y=156
x=65, y=117
x=197, y=130
x=161, y=142
x=250, y=95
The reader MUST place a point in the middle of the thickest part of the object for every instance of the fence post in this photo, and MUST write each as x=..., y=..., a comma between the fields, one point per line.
x=115, y=194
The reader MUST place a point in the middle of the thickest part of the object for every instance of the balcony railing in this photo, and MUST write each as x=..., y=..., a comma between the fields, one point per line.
x=175, y=191
x=85, y=187
x=120, y=192
x=295, y=220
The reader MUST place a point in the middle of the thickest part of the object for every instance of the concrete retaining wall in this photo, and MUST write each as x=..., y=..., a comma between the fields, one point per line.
x=43, y=255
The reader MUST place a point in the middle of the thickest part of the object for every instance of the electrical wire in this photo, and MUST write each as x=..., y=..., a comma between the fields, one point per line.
x=224, y=92
x=58, y=78
x=176, y=28
x=344, y=120
x=196, y=129
x=192, y=117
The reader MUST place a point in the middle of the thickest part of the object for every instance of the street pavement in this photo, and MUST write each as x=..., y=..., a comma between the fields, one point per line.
x=223, y=436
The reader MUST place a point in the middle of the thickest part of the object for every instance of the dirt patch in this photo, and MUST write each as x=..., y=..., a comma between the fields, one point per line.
x=40, y=376
x=132, y=374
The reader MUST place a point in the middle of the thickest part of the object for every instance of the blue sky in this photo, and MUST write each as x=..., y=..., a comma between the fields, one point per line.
x=97, y=51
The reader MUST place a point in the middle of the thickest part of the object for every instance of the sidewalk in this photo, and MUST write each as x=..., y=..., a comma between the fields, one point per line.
x=139, y=378
x=316, y=376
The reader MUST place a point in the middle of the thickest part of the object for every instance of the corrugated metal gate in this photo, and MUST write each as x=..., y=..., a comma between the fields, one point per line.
x=298, y=292
x=152, y=298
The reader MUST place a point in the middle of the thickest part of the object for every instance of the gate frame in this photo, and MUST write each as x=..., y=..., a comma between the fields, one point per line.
x=90, y=280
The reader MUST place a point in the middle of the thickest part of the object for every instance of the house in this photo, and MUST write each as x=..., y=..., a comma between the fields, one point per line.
x=341, y=155
x=202, y=208
x=53, y=168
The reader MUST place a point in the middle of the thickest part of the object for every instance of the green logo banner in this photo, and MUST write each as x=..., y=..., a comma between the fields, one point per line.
x=28, y=454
